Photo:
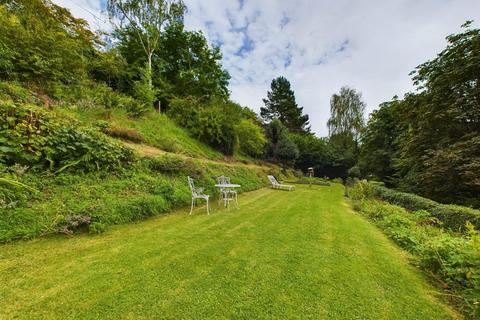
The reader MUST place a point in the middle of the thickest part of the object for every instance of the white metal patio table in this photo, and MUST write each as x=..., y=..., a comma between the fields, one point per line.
x=225, y=187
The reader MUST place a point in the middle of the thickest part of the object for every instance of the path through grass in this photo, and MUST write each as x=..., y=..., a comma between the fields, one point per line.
x=283, y=255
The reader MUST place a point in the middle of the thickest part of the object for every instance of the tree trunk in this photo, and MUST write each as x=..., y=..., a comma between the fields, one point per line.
x=149, y=69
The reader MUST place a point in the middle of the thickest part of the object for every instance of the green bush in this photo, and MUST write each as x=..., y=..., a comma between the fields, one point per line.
x=15, y=92
x=453, y=217
x=360, y=190
x=251, y=138
x=214, y=128
x=30, y=135
x=184, y=111
x=97, y=227
x=90, y=95
x=140, y=207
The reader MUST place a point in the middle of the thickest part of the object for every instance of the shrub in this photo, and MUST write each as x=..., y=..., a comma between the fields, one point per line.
x=91, y=95
x=141, y=207
x=251, y=139
x=184, y=111
x=143, y=89
x=30, y=135
x=354, y=172
x=360, y=190
x=213, y=128
x=71, y=224
x=15, y=92
x=97, y=227
x=453, y=217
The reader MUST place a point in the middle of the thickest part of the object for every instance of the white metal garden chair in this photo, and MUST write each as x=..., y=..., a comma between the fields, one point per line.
x=228, y=194
x=277, y=185
x=197, y=193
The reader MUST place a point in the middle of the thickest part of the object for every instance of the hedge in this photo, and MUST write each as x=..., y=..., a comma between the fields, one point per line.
x=453, y=217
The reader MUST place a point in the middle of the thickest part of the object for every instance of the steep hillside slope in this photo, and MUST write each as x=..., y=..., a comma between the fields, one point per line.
x=71, y=197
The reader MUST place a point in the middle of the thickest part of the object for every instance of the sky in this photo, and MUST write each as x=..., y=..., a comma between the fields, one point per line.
x=318, y=45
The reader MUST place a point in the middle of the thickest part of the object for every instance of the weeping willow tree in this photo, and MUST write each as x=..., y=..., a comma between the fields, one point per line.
x=345, y=125
x=346, y=114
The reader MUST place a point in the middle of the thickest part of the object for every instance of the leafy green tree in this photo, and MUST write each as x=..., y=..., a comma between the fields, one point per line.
x=42, y=43
x=111, y=67
x=186, y=65
x=346, y=114
x=442, y=122
x=379, y=141
x=190, y=65
x=146, y=19
x=251, y=138
x=280, y=104
x=345, y=125
x=280, y=148
x=313, y=152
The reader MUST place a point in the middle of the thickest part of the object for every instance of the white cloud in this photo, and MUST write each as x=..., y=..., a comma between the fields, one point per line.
x=383, y=41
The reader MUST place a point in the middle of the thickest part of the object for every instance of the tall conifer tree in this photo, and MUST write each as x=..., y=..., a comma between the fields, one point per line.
x=280, y=104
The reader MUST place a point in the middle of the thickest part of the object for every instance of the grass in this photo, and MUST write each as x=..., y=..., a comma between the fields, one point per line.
x=289, y=255
x=157, y=130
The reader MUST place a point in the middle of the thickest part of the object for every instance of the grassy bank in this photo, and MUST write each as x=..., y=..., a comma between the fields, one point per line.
x=72, y=202
x=154, y=129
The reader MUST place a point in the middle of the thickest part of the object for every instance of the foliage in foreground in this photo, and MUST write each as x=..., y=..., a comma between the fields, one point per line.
x=452, y=258
x=32, y=136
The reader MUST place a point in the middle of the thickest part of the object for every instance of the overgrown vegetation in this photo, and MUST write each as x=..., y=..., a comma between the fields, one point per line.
x=453, y=258
x=31, y=136
x=453, y=217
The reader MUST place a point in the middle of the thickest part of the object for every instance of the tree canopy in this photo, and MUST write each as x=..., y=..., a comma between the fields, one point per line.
x=281, y=104
x=42, y=43
x=146, y=19
x=346, y=113
x=429, y=142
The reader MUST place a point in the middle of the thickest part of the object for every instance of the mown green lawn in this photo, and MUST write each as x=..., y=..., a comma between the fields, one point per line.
x=282, y=255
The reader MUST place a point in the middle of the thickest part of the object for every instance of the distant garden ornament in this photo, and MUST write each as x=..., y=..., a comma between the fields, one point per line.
x=311, y=174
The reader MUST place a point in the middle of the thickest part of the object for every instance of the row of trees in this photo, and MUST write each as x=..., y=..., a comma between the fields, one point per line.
x=150, y=60
x=429, y=141
x=426, y=143
x=291, y=142
x=149, y=55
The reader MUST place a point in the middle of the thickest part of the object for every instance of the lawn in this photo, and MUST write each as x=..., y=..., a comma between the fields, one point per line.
x=303, y=254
